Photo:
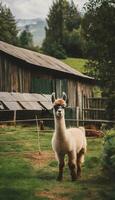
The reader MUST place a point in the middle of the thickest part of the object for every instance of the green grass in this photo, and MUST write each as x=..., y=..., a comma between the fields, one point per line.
x=76, y=63
x=22, y=178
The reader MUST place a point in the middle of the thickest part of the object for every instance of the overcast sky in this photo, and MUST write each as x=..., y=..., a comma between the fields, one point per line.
x=28, y=9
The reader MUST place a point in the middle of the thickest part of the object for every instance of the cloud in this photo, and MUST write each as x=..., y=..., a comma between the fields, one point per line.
x=29, y=9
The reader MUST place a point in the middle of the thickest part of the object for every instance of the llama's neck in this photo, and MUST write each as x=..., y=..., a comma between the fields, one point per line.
x=60, y=128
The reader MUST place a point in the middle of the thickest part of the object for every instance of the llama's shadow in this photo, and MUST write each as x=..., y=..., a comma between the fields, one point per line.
x=47, y=173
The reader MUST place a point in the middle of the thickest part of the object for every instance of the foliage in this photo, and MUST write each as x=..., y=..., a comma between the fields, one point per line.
x=63, y=21
x=54, y=49
x=110, y=110
x=26, y=39
x=72, y=43
x=98, y=28
x=8, y=29
x=109, y=153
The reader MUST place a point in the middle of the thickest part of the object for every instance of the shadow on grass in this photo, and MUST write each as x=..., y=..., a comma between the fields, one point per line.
x=46, y=175
x=17, y=194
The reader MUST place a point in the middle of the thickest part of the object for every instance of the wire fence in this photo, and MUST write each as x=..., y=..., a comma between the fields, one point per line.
x=38, y=142
x=51, y=119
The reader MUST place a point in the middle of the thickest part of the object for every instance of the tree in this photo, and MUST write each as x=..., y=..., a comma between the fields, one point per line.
x=62, y=20
x=26, y=38
x=54, y=30
x=73, y=43
x=99, y=31
x=8, y=29
x=72, y=17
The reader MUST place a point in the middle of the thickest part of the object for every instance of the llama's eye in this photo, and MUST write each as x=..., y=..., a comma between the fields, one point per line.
x=56, y=107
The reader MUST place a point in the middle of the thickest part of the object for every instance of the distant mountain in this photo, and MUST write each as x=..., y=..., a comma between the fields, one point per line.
x=35, y=26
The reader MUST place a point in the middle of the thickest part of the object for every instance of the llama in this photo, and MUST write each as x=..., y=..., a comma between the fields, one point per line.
x=71, y=141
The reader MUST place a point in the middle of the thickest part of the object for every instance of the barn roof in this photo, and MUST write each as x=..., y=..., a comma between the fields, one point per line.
x=39, y=59
x=24, y=101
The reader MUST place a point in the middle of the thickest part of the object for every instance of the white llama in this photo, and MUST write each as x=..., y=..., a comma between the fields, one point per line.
x=70, y=141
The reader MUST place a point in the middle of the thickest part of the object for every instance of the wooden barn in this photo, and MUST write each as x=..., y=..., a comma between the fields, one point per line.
x=25, y=71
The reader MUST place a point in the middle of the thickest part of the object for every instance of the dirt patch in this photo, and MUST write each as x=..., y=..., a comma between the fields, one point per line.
x=50, y=195
x=37, y=159
x=58, y=193
x=40, y=159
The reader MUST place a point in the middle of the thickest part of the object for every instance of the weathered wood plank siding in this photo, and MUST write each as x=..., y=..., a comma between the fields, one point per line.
x=84, y=91
x=13, y=77
x=17, y=76
x=72, y=93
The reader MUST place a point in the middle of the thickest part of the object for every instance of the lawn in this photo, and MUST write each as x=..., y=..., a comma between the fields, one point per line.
x=27, y=175
x=76, y=63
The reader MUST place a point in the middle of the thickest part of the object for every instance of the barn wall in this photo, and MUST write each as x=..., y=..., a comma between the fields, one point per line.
x=41, y=83
x=72, y=93
x=17, y=76
x=83, y=92
x=13, y=77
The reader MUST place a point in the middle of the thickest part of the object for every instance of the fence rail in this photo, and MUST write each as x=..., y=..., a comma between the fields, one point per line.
x=51, y=119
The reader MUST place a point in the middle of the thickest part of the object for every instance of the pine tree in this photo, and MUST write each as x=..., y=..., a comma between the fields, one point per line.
x=52, y=44
x=99, y=32
x=62, y=20
x=8, y=29
x=26, y=39
x=72, y=17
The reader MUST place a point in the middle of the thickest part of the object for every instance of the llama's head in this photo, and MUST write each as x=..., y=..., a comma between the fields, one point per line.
x=59, y=105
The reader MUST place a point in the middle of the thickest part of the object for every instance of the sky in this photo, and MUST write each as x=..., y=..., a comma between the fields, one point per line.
x=29, y=9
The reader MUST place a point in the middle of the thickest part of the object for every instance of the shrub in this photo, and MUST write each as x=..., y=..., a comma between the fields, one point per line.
x=108, y=161
x=54, y=49
x=111, y=107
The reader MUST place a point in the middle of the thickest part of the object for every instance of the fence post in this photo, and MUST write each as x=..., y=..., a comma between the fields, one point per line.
x=14, y=118
x=39, y=148
x=77, y=116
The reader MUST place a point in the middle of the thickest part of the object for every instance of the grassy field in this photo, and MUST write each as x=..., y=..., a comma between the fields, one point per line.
x=26, y=175
x=76, y=63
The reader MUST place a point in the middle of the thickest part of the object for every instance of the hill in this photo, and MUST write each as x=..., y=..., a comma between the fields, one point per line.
x=76, y=63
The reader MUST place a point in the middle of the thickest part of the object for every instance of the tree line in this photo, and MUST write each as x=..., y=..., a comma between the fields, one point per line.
x=71, y=34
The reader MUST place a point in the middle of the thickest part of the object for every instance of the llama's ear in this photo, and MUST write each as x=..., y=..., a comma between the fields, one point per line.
x=64, y=96
x=53, y=97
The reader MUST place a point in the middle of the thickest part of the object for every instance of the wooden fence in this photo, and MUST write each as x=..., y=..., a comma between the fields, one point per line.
x=93, y=110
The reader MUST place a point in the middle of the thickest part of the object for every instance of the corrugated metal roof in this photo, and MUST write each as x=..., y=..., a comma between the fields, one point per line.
x=31, y=105
x=46, y=105
x=28, y=101
x=38, y=59
x=12, y=105
x=5, y=96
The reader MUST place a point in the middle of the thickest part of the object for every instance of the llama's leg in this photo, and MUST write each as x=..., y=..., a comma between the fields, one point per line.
x=72, y=165
x=80, y=156
x=61, y=166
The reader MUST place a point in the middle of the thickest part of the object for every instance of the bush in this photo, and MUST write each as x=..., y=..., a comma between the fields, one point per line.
x=54, y=49
x=111, y=107
x=108, y=161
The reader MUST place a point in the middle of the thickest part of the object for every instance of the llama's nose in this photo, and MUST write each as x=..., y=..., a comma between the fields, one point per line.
x=59, y=110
